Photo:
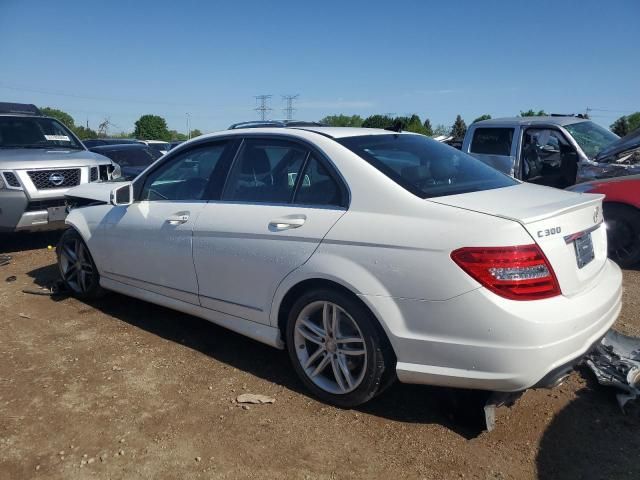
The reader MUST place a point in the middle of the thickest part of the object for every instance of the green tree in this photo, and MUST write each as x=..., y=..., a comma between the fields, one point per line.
x=152, y=127
x=174, y=135
x=414, y=124
x=195, y=133
x=620, y=127
x=634, y=121
x=378, y=121
x=84, y=133
x=441, y=130
x=482, y=117
x=532, y=113
x=459, y=128
x=64, y=117
x=342, y=120
x=428, y=129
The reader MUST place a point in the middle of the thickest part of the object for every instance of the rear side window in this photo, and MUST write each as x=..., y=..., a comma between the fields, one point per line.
x=492, y=141
x=425, y=167
x=265, y=171
x=318, y=187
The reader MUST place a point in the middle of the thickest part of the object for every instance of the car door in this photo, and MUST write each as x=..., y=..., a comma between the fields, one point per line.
x=495, y=147
x=279, y=202
x=547, y=158
x=149, y=244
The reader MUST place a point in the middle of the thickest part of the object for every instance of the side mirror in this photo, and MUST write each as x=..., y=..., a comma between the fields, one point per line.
x=122, y=195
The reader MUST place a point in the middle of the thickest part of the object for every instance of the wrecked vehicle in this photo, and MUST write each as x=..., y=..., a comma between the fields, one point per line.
x=369, y=255
x=556, y=151
x=40, y=160
x=622, y=215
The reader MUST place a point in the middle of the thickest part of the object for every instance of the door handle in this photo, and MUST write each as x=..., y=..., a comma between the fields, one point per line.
x=178, y=219
x=287, y=223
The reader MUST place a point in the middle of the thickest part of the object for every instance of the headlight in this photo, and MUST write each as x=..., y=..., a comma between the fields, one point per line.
x=117, y=172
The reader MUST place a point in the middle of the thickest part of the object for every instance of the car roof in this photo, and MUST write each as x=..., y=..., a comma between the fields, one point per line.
x=546, y=119
x=332, y=132
x=22, y=109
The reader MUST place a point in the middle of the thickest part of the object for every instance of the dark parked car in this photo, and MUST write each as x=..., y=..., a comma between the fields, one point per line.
x=133, y=158
x=97, y=142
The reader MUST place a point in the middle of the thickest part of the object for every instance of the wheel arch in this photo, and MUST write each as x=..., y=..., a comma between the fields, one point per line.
x=283, y=307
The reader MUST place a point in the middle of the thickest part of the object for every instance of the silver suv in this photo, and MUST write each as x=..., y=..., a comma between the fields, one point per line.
x=40, y=159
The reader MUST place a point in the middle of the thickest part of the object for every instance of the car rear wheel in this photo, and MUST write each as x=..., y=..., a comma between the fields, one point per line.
x=623, y=232
x=76, y=266
x=336, y=349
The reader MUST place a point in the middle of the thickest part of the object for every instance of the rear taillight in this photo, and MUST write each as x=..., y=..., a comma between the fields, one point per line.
x=518, y=273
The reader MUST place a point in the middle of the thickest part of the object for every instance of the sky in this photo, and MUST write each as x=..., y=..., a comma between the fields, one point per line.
x=118, y=60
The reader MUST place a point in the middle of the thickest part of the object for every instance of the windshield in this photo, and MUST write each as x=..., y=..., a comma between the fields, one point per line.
x=425, y=167
x=34, y=132
x=591, y=137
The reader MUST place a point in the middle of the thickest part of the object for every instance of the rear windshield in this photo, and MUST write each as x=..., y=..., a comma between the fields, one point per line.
x=425, y=167
x=34, y=132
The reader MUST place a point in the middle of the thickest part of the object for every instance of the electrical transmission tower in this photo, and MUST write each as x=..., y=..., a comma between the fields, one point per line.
x=262, y=107
x=288, y=110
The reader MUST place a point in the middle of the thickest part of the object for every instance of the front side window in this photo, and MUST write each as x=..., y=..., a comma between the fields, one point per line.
x=265, y=171
x=425, y=167
x=34, y=132
x=548, y=158
x=492, y=141
x=186, y=176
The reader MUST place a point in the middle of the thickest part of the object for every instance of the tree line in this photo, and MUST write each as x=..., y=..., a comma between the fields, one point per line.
x=154, y=127
x=457, y=130
x=147, y=127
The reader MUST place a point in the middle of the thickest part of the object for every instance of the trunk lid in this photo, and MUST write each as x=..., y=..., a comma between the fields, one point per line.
x=565, y=225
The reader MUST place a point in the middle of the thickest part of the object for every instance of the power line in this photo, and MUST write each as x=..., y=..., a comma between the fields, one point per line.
x=262, y=107
x=288, y=110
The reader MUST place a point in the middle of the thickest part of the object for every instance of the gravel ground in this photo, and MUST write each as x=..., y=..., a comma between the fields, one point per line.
x=123, y=389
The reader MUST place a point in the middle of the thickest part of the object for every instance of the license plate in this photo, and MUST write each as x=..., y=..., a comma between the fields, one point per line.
x=584, y=250
x=57, y=214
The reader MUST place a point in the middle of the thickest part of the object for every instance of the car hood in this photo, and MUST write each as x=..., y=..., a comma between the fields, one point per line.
x=625, y=145
x=27, y=158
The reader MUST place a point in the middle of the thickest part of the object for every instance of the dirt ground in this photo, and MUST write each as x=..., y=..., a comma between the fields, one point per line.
x=123, y=389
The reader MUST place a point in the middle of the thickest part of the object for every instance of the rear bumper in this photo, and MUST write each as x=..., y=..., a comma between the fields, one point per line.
x=481, y=341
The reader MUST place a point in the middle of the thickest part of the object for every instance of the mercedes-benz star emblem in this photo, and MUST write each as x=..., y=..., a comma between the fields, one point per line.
x=596, y=215
x=56, y=179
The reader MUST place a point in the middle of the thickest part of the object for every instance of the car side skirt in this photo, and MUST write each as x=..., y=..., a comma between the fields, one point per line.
x=257, y=331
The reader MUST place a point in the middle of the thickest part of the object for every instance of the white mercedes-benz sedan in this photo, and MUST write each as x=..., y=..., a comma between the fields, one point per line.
x=369, y=255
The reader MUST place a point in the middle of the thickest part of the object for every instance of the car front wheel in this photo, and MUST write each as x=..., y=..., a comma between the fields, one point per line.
x=336, y=349
x=76, y=266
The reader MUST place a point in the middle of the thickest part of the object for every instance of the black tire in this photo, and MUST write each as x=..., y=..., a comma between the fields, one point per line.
x=623, y=232
x=378, y=371
x=88, y=287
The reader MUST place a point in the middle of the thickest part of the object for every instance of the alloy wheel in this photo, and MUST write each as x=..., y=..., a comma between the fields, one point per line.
x=330, y=347
x=76, y=267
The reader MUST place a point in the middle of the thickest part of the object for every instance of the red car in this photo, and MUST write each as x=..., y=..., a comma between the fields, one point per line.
x=621, y=214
